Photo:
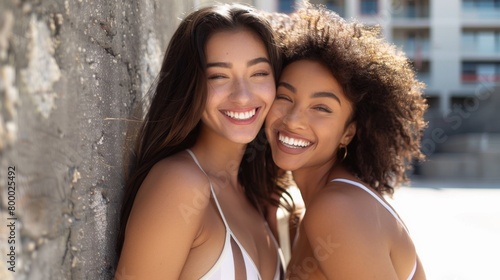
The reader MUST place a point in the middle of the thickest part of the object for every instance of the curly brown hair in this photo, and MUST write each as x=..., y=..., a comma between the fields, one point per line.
x=376, y=77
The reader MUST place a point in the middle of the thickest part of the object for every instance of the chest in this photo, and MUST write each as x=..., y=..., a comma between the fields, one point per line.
x=248, y=227
x=239, y=215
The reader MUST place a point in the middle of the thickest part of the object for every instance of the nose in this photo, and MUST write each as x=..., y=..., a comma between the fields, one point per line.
x=295, y=118
x=240, y=92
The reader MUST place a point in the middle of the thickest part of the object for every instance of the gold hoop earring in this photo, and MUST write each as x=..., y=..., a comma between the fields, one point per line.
x=342, y=146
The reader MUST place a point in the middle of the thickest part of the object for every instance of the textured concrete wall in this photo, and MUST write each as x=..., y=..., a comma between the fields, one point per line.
x=70, y=73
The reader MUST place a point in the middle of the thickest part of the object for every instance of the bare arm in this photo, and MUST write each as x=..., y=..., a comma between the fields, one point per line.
x=165, y=220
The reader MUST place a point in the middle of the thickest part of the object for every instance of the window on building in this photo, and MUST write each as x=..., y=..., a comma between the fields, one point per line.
x=433, y=102
x=463, y=102
x=369, y=7
x=482, y=4
x=473, y=72
x=412, y=9
x=336, y=6
x=486, y=42
x=481, y=41
x=423, y=68
x=497, y=41
x=469, y=41
x=286, y=6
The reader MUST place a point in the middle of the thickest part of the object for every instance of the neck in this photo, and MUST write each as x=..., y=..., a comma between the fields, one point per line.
x=220, y=157
x=312, y=180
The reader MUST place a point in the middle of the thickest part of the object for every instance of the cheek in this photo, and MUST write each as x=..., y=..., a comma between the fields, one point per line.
x=211, y=99
x=214, y=90
x=275, y=114
x=266, y=91
x=282, y=108
x=329, y=135
x=273, y=120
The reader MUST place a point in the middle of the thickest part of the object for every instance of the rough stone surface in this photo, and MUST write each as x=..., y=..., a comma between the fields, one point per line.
x=72, y=74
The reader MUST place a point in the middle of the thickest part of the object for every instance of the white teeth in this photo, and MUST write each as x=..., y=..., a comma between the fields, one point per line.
x=293, y=143
x=240, y=115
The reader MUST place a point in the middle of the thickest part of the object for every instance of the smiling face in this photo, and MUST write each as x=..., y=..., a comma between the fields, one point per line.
x=307, y=121
x=240, y=84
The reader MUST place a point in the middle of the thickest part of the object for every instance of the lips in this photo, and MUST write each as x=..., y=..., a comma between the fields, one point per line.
x=246, y=115
x=294, y=143
x=241, y=116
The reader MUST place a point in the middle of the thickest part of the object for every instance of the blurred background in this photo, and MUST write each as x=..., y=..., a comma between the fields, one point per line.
x=74, y=74
x=454, y=46
x=452, y=204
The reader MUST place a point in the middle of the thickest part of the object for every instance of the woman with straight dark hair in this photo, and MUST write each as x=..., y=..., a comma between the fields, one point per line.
x=195, y=197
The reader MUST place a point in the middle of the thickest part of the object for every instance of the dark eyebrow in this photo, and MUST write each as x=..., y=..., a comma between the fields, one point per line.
x=315, y=95
x=326, y=94
x=287, y=86
x=219, y=64
x=258, y=60
x=229, y=65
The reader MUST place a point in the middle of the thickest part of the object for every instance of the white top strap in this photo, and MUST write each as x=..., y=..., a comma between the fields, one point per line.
x=211, y=189
x=386, y=206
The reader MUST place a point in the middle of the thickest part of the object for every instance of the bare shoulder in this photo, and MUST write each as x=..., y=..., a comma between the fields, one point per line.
x=176, y=178
x=178, y=168
x=168, y=212
x=175, y=188
x=341, y=224
x=339, y=208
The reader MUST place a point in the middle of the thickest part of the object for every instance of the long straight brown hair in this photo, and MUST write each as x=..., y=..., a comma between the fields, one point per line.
x=172, y=123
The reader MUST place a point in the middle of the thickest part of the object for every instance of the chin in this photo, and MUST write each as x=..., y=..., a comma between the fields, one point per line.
x=285, y=162
x=243, y=139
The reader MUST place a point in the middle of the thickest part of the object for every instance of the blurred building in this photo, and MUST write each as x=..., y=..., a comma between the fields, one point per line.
x=455, y=48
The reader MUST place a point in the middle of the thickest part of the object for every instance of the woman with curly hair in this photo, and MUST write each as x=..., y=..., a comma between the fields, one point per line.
x=347, y=121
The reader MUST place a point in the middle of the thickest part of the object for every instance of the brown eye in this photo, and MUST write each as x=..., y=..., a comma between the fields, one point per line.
x=282, y=97
x=261, y=74
x=216, y=76
x=322, y=109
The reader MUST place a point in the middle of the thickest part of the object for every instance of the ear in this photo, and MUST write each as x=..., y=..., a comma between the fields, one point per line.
x=349, y=133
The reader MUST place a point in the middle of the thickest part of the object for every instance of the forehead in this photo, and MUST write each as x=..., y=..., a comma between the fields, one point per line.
x=241, y=42
x=311, y=75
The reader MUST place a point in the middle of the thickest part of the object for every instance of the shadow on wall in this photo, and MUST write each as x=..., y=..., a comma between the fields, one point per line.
x=71, y=75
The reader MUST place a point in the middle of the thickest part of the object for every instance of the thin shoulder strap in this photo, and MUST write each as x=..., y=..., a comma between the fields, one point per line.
x=389, y=208
x=211, y=188
x=386, y=206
